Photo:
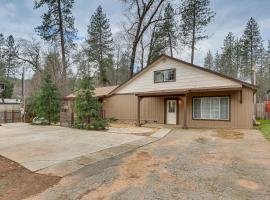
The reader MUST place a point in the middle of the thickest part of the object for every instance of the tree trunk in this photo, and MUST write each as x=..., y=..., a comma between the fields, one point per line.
x=251, y=58
x=49, y=113
x=132, y=59
x=193, y=34
x=63, y=52
x=170, y=41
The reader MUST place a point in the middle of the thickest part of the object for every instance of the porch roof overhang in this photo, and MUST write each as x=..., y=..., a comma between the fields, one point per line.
x=186, y=91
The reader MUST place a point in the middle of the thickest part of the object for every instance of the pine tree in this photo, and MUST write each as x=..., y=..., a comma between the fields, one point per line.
x=47, y=100
x=164, y=35
x=217, y=62
x=228, y=57
x=8, y=87
x=209, y=61
x=10, y=57
x=157, y=43
x=251, y=42
x=169, y=29
x=2, y=53
x=100, y=44
x=58, y=25
x=195, y=16
x=87, y=107
x=268, y=60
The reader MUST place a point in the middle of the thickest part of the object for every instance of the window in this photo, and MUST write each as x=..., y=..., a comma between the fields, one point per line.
x=172, y=106
x=164, y=75
x=212, y=108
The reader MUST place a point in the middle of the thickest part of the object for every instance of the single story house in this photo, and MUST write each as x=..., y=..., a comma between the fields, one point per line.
x=172, y=91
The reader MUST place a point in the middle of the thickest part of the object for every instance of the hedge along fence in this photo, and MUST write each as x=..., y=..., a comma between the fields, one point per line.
x=261, y=111
x=10, y=116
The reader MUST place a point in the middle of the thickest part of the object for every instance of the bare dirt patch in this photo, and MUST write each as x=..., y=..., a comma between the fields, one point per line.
x=16, y=182
x=228, y=134
x=133, y=172
x=248, y=184
x=202, y=140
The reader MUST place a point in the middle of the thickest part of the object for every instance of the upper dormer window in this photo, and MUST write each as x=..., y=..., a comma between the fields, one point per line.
x=166, y=75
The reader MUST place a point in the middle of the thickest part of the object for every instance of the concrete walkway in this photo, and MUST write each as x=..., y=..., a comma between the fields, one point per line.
x=59, y=151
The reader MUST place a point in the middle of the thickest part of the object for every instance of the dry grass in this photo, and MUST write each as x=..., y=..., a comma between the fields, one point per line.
x=228, y=134
x=122, y=125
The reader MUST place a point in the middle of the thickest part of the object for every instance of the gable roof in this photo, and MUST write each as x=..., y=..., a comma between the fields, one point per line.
x=99, y=91
x=254, y=87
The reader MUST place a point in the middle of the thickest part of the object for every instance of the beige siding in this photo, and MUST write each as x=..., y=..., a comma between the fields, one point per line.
x=240, y=114
x=124, y=107
x=186, y=78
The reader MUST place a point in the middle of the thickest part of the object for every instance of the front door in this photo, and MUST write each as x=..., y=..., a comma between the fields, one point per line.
x=171, y=111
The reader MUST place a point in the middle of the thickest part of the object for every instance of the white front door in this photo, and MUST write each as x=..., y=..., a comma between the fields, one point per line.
x=171, y=111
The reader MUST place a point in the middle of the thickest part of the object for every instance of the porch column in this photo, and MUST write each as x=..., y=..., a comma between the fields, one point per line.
x=185, y=111
x=139, y=110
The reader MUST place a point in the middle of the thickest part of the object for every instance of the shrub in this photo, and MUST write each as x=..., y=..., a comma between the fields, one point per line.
x=98, y=124
x=40, y=121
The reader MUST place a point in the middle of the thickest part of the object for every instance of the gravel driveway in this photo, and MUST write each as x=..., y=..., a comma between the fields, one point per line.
x=187, y=164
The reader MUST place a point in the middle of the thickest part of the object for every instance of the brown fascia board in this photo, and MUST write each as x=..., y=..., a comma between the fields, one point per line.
x=253, y=87
x=186, y=91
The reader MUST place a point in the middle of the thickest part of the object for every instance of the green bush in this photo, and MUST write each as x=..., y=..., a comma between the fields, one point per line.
x=40, y=121
x=98, y=124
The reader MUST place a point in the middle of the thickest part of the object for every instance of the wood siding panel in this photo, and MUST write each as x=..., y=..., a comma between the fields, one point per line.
x=240, y=114
x=124, y=107
x=186, y=78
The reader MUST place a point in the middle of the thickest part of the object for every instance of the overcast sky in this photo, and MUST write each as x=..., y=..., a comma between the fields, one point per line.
x=18, y=18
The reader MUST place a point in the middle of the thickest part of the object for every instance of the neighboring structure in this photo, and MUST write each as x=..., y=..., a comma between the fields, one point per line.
x=67, y=114
x=172, y=91
x=10, y=110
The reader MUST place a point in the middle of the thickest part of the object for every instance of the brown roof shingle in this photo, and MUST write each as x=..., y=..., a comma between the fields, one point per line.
x=99, y=91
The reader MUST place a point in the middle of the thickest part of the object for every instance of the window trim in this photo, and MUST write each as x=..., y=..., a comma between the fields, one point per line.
x=220, y=120
x=164, y=81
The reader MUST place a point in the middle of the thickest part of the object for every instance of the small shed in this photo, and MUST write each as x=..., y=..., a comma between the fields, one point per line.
x=10, y=110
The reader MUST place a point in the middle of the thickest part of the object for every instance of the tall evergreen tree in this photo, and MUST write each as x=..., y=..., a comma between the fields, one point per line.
x=8, y=92
x=209, y=61
x=87, y=107
x=100, y=44
x=10, y=56
x=58, y=26
x=251, y=42
x=164, y=35
x=217, y=62
x=228, y=57
x=2, y=53
x=47, y=100
x=169, y=29
x=195, y=16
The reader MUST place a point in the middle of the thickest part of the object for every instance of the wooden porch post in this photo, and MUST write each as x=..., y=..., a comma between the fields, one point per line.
x=185, y=112
x=139, y=110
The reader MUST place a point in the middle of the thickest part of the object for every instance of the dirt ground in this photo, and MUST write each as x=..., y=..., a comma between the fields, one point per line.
x=187, y=164
x=16, y=182
x=192, y=164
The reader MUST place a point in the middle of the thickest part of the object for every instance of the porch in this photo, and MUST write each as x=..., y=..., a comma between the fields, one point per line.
x=175, y=107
